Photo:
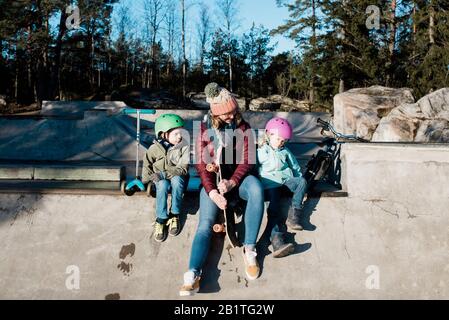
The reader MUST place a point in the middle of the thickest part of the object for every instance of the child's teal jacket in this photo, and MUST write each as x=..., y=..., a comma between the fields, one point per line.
x=276, y=166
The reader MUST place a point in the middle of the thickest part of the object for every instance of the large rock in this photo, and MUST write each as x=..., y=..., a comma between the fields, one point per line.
x=424, y=121
x=199, y=100
x=359, y=111
x=2, y=101
x=278, y=102
x=242, y=103
x=289, y=104
x=260, y=104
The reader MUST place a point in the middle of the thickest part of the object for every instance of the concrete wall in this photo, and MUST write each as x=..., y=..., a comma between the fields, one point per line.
x=415, y=175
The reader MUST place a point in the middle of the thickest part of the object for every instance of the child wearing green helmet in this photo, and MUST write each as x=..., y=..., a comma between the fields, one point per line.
x=166, y=165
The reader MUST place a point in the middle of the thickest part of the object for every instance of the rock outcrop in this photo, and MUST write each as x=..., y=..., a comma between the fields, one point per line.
x=424, y=121
x=359, y=111
x=278, y=102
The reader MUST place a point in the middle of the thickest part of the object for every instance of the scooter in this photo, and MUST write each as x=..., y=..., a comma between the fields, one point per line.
x=135, y=185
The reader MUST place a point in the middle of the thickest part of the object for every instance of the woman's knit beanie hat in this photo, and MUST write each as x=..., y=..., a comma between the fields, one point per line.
x=221, y=100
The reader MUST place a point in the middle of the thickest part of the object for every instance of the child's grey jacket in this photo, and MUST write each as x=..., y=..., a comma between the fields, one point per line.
x=171, y=162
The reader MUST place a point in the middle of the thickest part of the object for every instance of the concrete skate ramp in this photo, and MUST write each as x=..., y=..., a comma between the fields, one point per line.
x=77, y=108
x=98, y=134
x=388, y=239
x=102, y=133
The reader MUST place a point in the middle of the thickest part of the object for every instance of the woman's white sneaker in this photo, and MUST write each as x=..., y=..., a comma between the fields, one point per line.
x=252, y=269
x=191, y=284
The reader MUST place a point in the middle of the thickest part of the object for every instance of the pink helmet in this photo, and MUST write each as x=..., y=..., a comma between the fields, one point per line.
x=280, y=126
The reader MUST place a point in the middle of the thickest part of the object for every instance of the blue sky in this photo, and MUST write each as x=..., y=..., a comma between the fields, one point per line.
x=267, y=13
x=261, y=12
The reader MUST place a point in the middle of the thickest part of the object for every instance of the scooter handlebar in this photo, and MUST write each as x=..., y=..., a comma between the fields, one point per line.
x=142, y=111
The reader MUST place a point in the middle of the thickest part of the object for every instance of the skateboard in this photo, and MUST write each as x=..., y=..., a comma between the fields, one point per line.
x=226, y=218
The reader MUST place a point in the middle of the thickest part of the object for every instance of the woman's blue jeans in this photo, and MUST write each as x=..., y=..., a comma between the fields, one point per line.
x=250, y=190
x=178, y=185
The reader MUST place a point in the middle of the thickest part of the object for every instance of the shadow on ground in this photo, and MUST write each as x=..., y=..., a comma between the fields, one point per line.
x=264, y=244
x=18, y=206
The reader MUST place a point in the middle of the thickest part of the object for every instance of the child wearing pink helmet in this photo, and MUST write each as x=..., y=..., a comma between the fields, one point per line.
x=278, y=169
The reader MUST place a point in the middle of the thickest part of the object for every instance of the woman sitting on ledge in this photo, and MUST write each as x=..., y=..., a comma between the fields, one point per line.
x=236, y=181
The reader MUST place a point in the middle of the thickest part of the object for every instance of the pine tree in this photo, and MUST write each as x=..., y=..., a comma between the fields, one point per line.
x=218, y=62
x=217, y=57
x=280, y=67
x=228, y=11
x=256, y=49
x=304, y=27
x=349, y=50
x=429, y=66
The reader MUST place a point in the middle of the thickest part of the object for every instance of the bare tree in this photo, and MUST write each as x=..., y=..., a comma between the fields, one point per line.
x=183, y=40
x=123, y=22
x=392, y=40
x=56, y=76
x=228, y=10
x=155, y=11
x=170, y=31
x=203, y=27
x=313, y=42
x=431, y=23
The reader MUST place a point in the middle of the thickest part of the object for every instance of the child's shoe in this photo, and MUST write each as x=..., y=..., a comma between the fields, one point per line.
x=173, y=225
x=160, y=231
x=294, y=218
x=151, y=189
x=280, y=248
x=191, y=284
x=252, y=269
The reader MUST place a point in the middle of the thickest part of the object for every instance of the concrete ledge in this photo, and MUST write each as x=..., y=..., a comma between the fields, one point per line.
x=416, y=174
x=16, y=172
x=79, y=173
x=52, y=172
x=60, y=187
x=37, y=117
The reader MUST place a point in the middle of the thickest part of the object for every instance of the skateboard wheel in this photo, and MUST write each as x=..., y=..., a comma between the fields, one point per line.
x=219, y=228
x=210, y=167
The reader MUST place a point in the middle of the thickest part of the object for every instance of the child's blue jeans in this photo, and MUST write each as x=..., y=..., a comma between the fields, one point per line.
x=250, y=190
x=276, y=221
x=177, y=185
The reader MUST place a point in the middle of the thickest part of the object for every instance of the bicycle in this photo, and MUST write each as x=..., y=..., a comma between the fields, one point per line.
x=325, y=165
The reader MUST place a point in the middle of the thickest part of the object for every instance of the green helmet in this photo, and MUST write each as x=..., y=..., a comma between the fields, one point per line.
x=167, y=122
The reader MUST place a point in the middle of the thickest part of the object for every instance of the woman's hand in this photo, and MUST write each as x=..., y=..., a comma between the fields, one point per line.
x=226, y=185
x=218, y=199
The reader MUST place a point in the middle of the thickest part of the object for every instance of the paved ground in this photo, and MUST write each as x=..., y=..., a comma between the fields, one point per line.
x=356, y=245
x=388, y=239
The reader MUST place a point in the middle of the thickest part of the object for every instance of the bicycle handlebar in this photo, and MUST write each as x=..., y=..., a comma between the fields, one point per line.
x=322, y=122
x=328, y=127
